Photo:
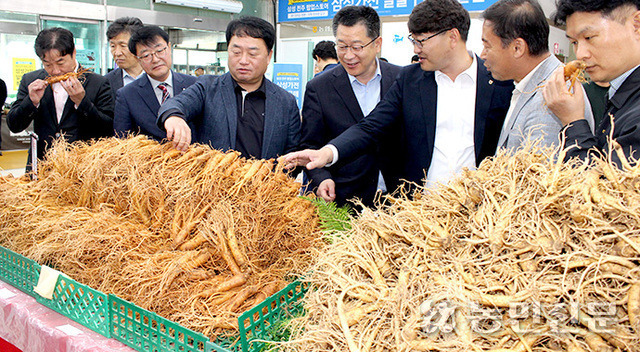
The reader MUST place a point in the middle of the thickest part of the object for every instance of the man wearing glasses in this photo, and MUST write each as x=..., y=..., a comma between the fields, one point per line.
x=449, y=108
x=337, y=100
x=240, y=110
x=137, y=104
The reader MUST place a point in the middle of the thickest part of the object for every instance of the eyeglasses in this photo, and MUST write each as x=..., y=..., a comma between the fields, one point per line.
x=420, y=42
x=356, y=49
x=149, y=56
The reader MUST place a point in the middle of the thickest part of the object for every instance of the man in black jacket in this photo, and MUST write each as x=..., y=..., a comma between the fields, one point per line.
x=338, y=99
x=78, y=108
x=449, y=108
x=605, y=35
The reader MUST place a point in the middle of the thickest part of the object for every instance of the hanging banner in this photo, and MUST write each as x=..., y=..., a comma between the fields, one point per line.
x=289, y=78
x=87, y=59
x=301, y=10
x=20, y=67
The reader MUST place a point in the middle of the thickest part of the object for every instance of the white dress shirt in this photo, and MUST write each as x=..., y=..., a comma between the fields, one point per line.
x=455, y=121
x=158, y=91
x=60, y=97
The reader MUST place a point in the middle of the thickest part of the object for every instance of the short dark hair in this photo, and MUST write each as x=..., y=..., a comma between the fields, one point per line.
x=123, y=24
x=254, y=27
x=566, y=8
x=57, y=38
x=513, y=19
x=146, y=35
x=433, y=16
x=324, y=50
x=351, y=15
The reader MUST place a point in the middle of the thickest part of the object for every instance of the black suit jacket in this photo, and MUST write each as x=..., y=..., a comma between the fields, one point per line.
x=92, y=119
x=412, y=101
x=115, y=81
x=330, y=108
x=137, y=106
x=624, y=106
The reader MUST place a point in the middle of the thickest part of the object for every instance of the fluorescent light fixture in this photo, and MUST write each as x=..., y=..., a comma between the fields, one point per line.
x=230, y=6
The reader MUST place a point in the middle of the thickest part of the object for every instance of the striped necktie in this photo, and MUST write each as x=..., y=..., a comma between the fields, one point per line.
x=165, y=92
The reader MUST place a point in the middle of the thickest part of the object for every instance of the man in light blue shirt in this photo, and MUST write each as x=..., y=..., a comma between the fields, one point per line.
x=339, y=98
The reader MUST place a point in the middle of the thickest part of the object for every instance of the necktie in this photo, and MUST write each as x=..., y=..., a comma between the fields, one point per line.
x=165, y=92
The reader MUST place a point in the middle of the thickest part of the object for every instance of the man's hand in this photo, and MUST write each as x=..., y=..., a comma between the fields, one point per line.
x=75, y=90
x=311, y=159
x=327, y=190
x=178, y=132
x=567, y=106
x=36, y=91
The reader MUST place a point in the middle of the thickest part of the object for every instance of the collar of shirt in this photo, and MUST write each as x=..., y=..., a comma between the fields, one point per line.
x=168, y=81
x=367, y=95
x=237, y=88
x=377, y=75
x=157, y=91
x=127, y=78
x=520, y=86
x=471, y=73
x=617, y=82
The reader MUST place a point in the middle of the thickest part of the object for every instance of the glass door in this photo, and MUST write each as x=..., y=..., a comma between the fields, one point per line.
x=87, y=38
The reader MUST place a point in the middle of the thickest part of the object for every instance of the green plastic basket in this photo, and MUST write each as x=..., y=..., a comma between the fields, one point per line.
x=145, y=331
x=19, y=271
x=80, y=303
x=266, y=321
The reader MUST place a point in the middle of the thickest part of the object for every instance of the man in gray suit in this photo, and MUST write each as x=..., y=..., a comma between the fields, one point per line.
x=240, y=110
x=515, y=35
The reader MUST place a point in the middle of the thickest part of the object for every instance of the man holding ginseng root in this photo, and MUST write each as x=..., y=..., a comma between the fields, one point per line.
x=606, y=37
x=63, y=99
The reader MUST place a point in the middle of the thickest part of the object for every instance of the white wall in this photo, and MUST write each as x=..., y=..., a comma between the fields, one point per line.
x=398, y=49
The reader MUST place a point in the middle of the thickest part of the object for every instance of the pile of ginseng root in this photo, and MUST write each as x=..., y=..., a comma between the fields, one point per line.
x=198, y=237
x=523, y=254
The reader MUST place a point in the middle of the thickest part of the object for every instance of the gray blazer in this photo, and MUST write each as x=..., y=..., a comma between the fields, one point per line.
x=531, y=119
x=210, y=104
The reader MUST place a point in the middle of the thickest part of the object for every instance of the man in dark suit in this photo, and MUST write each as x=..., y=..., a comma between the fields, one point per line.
x=450, y=108
x=128, y=70
x=325, y=57
x=605, y=37
x=137, y=104
x=78, y=109
x=240, y=110
x=338, y=99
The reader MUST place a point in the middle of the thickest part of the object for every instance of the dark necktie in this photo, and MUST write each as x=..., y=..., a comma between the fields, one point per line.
x=165, y=92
